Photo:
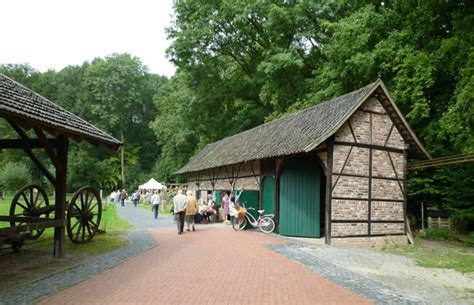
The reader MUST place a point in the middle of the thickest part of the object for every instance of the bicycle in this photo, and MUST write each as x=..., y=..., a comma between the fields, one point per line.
x=265, y=223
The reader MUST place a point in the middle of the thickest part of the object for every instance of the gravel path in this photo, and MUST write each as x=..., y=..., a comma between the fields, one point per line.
x=433, y=285
x=382, y=277
x=142, y=218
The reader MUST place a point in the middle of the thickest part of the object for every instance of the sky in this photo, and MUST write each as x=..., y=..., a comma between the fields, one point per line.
x=52, y=34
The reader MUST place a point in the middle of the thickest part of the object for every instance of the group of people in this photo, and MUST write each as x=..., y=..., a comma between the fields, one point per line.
x=186, y=208
x=119, y=196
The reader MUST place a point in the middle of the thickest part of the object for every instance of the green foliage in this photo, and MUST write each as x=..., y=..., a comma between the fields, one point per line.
x=438, y=234
x=114, y=93
x=469, y=241
x=241, y=61
x=14, y=175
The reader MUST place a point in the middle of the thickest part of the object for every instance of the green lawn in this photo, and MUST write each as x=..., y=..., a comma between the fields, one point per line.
x=35, y=260
x=438, y=254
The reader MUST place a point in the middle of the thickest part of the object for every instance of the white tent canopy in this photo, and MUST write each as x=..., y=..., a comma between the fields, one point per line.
x=152, y=184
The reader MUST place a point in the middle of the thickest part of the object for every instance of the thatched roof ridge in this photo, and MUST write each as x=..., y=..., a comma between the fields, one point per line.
x=17, y=102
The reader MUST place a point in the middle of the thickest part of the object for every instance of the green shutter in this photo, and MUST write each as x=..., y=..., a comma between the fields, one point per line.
x=268, y=195
x=300, y=186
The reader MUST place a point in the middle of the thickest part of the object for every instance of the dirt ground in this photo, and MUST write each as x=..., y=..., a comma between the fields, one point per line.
x=26, y=266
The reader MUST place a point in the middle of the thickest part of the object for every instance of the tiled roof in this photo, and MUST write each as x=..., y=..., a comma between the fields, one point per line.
x=19, y=102
x=298, y=132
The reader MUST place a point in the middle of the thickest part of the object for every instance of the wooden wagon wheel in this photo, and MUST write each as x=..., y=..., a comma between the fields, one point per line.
x=31, y=201
x=83, y=215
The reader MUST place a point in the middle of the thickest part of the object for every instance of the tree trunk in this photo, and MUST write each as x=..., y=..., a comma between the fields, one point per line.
x=122, y=159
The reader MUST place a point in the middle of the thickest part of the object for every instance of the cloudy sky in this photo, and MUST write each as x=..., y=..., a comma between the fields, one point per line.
x=51, y=34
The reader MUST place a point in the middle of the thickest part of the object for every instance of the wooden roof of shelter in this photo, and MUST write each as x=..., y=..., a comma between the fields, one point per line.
x=300, y=132
x=26, y=107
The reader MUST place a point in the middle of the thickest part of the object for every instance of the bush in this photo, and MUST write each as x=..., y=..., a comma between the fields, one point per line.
x=469, y=241
x=438, y=234
x=14, y=175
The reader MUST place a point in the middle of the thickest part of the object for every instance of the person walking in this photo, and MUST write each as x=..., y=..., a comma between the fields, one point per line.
x=122, y=197
x=180, y=202
x=191, y=210
x=135, y=198
x=155, y=203
x=226, y=207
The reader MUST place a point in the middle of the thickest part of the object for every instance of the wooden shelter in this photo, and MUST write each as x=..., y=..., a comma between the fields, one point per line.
x=336, y=169
x=52, y=126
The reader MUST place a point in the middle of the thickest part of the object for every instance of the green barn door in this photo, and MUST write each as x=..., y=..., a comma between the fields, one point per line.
x=250, y=199
x=268, y=195
x=300, y=186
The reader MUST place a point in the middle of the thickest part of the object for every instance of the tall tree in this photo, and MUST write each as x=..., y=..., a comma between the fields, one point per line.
x=120, y=95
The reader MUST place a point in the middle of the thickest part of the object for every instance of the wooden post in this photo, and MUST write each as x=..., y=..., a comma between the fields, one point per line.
x=330, y=157
x=60, y=195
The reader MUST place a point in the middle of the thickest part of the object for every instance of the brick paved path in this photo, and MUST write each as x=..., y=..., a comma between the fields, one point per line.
x=211, y=266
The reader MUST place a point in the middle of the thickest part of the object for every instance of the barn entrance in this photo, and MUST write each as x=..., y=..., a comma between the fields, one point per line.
x=300, y=194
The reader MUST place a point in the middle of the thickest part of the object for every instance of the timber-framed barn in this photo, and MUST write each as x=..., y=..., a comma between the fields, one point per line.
x=337, y=169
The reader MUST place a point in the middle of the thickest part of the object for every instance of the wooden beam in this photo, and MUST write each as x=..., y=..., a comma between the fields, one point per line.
x=49, y=149
x=377, y=147
x=21, y=143
x=328, y=201
x=30, y=154
x=60, y=195
x=48, y=223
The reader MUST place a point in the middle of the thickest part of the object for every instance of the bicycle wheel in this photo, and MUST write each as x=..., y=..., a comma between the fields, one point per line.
x=267, y=225
x=235, y=223
x=242, y=223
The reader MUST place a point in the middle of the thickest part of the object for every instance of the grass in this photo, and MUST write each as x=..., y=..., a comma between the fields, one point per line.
x=114, y=237
x=438, y=254
x=165, y=212
x=35, y=260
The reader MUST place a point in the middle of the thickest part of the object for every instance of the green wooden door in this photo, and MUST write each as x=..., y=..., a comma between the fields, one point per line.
x=218, y=198
x=300, y=186
x=250, y=199
x=268, y=195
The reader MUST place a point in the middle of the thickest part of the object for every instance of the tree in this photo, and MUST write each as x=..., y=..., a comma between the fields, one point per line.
x=119, y=91
x=13, y=176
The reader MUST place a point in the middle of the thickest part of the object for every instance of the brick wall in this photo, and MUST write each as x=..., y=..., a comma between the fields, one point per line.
x=386, y=189
x=344, y=134
x=373, y=104
x=360, y=122
x=381, y=125
x=349, y=210
x=387, y=228
x=385, y=210
x=396, y=140
x=351, y=187
x=344, y=229
x=351, y=175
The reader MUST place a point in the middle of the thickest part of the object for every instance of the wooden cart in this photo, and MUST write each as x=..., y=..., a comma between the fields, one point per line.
x=31, y=213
